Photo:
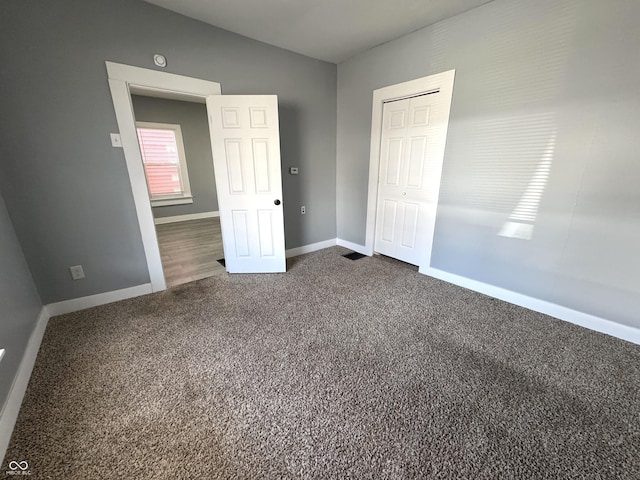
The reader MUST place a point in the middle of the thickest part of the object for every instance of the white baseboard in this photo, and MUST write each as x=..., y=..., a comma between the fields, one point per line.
x=185, y=218
x=352, y=246
x=75, y=304
x=591, y=322
x=9, y=413
x=312, y=247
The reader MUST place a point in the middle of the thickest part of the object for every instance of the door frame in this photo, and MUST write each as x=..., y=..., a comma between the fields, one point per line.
x=168, y=85
x=440, y=82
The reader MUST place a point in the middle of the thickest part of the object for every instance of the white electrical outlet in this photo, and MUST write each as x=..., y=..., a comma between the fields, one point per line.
x=76, y=272
x=303, y=209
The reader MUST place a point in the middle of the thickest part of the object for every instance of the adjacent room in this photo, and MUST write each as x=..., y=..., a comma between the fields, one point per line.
x=176, y=151
x=270, y=239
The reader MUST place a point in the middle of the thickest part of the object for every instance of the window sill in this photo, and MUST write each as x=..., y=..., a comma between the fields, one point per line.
x=165, y=202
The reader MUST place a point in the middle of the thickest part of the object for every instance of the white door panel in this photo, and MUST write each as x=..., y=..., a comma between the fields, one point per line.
x=407, y=189
x=245, y=141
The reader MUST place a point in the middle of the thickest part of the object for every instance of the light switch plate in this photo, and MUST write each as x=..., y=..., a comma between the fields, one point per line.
x=115, y=140
x=1, y=353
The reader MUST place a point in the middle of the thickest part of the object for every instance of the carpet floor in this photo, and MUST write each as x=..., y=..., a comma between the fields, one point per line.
x=336, y=369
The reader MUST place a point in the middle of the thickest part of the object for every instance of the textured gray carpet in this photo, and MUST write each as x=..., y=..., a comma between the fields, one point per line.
x=337, y=369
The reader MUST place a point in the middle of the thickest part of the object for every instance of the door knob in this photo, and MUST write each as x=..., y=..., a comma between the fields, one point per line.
x=404, y=193
x=276, y=202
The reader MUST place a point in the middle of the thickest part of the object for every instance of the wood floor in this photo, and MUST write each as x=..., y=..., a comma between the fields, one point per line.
x=190, y=250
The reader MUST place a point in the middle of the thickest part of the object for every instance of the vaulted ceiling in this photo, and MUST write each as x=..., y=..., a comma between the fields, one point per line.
x=330, y=30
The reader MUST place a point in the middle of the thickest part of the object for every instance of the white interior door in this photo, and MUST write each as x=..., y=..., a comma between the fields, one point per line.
x=245, y=140
x=412, y=142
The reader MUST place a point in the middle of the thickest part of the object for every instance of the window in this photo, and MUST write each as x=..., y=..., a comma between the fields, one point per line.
x=165, y=164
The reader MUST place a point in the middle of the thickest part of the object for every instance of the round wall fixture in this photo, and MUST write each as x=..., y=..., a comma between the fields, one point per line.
x=160, y=60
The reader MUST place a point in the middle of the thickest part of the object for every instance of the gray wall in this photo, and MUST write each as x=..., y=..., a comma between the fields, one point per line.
x=68, y=189
x=192, y=118
x=535, y=82
x=19, y=304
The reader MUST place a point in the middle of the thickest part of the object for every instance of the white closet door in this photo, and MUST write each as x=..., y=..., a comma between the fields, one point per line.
x=408, y=185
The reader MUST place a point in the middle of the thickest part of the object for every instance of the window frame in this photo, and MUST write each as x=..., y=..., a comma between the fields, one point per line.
x=181, y=198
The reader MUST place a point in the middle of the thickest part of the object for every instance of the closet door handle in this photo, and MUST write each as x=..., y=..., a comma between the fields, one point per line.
x=276, y=202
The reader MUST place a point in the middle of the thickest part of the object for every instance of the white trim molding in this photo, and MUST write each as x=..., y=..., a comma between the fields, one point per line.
x=167, y=202
x=9, y=413
x=440, y=82
x=353, y=246
x=185, y=218
x=576, y=317
x=174, y=86
x=75, y=304
x=122, y=79
x=312, y=247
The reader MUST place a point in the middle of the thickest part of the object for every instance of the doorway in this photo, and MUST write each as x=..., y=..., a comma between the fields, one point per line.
x=408, y=135
x=166, y=85
x=244, y=135
x=176, y=152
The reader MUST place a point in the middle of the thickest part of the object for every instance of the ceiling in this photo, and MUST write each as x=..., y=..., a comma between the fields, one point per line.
x=330, y=30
